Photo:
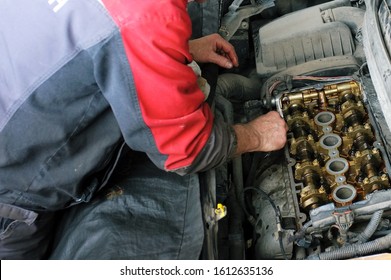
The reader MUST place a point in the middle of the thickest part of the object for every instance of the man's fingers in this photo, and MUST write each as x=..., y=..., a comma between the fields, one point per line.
x=221, y=60
x=231, y=55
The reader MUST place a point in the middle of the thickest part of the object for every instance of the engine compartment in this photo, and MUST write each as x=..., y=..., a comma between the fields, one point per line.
x=327, y=195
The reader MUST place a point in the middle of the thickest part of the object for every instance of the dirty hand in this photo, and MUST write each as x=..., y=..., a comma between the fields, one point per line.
x=214, y=49
x=265, y=134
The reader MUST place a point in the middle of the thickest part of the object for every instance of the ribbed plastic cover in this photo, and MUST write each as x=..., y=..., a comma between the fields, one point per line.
x=298, y=38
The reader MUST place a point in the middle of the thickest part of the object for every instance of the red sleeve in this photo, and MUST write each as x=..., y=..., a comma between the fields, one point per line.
x=155, y=36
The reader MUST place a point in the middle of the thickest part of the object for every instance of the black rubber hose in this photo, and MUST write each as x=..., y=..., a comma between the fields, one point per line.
x=355, y=250
x=238, y=87
x=371, y=227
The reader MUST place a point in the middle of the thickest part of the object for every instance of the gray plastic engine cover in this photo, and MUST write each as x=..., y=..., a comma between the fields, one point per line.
x=298, y=38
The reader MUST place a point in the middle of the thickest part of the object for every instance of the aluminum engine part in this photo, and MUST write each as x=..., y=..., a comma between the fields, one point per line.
x=274, y=181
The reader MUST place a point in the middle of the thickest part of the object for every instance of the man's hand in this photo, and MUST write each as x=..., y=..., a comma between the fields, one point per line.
x=264, y=134
x=215, y=49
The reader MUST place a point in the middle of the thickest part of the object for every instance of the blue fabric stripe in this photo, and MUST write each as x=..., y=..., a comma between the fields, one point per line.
x=22, y=69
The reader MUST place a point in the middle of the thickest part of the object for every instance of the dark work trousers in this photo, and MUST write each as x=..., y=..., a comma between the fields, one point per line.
x=145, y=213
x=25, y=234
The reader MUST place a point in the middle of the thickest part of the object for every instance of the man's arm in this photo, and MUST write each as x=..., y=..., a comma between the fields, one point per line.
x=266, y=133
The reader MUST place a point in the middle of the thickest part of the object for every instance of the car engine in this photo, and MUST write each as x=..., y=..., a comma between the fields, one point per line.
x=327, y=194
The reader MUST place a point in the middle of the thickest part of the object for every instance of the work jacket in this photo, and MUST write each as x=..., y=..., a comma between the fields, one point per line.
x=78, y=78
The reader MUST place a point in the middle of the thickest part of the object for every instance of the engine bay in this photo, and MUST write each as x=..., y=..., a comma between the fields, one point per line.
x=327, y=194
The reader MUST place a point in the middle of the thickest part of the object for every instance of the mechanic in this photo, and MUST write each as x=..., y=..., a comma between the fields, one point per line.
x=86, y=84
